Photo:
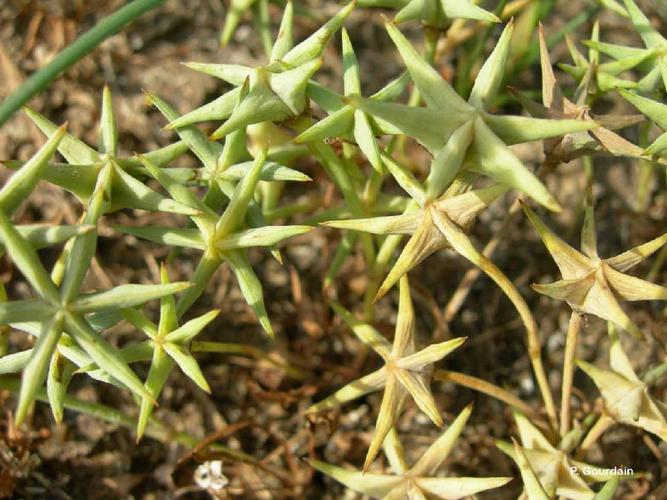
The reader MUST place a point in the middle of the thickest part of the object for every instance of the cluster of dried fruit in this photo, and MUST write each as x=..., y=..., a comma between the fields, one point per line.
x=267, y=123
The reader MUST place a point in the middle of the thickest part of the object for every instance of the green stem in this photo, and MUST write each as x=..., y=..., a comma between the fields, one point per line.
x=82, y=46
x=645, y=174
x=155, y=429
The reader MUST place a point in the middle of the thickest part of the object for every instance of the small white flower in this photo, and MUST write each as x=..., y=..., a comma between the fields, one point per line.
x=209, y=475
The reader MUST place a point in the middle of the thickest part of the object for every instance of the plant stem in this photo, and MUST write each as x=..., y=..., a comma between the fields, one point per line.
x=457, y=299
x=82, y=46
x=601, y=426
x=654, y=374
x=155, y=429
x=479, y=385
x=657, y=264
x=568, y=371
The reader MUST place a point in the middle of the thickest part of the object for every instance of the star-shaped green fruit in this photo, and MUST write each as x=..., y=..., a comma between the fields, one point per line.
x=653, y=55
x=347, y=121
x=85, y=166
x=657, y=112
x=436, y=13
x=600, y=77
x=221, y=238
x=463, y=134
x=433, y=224
x=275, y=92
x=63, y=308
x=169, y=345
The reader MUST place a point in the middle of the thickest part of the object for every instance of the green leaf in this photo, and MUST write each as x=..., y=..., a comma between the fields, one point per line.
x=160, y=369
x=271, y=171
x=60, y=373
x=14, y=363
x=168, y=316
x=313, y=46
x=18, y=311
x=106, y=356
x=337, y=124
x=140, y=322
x=251, y=287
x=192, y=136
x=448, y=161
x=74, y=150
x=77, y=179
x=188, y=364
x=365, y=138
x=518, y=129
x=159, y=157
x=21, y=184
x=490, y=77
x=285, y=39
x=191, y=329
x=431, y=127
x=498, y=162
x=234, y=74
x=35, y=371
x=124, y=296
x=464, y=9
x=128, y=192
x=650, y=36
x=406, y=180
x=40, y=236
x=205, y=218
x=351, y=79
x=259, y=237
x=26, y=259
x=207, y=266
x=218, y=109
x=234, y=214
x=655, y=110
x=108, y=129
x=180, y=237
x=82, y=251
x=436, y=92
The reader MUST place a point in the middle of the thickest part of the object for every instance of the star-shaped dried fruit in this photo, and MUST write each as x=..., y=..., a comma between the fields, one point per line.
x=432, y=224
x=404, y=372
x=418, y=481
x=547, y=470
x=555, y=105
x=592, y=285
x=626, y=397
